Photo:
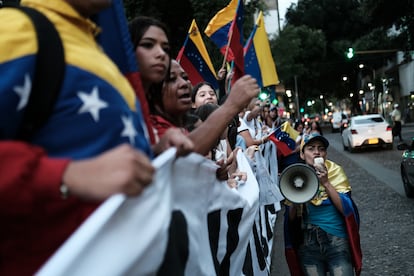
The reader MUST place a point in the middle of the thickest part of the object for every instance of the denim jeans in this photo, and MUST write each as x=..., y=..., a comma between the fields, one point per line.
x=322, y=252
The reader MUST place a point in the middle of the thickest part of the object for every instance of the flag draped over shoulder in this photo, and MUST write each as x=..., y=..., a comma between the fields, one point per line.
x=258, y=60
x=194, y=58
x=338, y=179
x=225, y=29
x=116, y=42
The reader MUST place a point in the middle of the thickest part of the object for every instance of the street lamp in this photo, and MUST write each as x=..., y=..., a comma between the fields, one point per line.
x=371, y=86
x=322, y=104
x=384, y=95
x=362, y=66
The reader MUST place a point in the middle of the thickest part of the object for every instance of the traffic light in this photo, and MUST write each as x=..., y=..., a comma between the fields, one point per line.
x=350, y=54
x=263, y=95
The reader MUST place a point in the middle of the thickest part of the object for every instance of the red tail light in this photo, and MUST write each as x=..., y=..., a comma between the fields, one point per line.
x=389, y=128
x=353, y=131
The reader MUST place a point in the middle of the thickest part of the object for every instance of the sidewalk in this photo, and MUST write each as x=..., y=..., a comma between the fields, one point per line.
x=409, y=124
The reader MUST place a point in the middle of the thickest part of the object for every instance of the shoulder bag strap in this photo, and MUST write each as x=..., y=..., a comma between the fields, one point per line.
x=48, y=76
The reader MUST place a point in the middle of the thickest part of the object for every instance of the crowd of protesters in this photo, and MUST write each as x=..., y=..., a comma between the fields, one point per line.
x=95, y=143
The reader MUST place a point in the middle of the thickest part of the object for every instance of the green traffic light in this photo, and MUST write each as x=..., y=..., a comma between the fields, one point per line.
x=275, y=102
x=350, y=53
x=263, y=96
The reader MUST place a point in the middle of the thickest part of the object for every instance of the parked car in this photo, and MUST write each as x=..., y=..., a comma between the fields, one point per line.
x=365, y=131
x=407, y=168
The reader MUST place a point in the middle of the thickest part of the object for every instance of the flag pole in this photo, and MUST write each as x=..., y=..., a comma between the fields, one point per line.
x=227, y=47
x=230, y=36
x=229, y=80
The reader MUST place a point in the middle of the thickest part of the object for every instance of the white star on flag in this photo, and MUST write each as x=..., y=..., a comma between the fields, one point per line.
x=129, y=130
x=23, y=92
x=91, y=103
x=198, y=59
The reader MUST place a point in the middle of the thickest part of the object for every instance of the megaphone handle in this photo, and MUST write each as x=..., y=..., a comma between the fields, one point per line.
x=295, y=210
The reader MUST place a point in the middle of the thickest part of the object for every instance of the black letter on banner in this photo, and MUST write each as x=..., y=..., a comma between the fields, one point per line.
x=213, y=221
x=259, y=250
x=176, y=254
x=232, y=238
x=248, y=263
x=263, y=243
x=269, y=228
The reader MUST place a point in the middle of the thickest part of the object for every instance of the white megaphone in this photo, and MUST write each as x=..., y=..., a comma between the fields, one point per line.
x=298, y=183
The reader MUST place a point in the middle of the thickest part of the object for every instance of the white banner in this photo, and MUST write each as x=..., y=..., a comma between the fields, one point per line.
x=187, y=222
x=261, y=241
x=121, y=235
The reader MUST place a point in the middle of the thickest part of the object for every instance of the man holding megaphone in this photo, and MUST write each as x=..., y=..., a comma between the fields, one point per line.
x=322, y=234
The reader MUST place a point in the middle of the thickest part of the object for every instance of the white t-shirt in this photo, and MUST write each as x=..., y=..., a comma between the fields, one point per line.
x=221, y=150
x=254, y=126
x=396, y=115
x=242, y=126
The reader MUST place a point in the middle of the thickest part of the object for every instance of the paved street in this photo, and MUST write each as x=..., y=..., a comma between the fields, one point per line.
x=387, y=216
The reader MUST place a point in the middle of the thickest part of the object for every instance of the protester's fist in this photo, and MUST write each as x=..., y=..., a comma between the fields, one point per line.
x=243, y=91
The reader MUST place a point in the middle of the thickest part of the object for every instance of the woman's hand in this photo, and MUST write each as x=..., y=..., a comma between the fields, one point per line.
x=174, y=137
x=120, y=170
x=222, y=172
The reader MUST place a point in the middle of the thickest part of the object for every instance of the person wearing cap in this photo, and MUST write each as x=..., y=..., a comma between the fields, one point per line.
x=396, y=122
x=322, y=235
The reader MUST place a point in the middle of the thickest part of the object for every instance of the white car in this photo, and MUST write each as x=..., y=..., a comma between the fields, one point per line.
x=367, y=131
x=339, y=121
x=336, y=121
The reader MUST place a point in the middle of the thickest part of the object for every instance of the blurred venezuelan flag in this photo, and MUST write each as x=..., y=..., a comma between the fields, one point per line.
x=285, y=139
x=115, y=40
x=258, y=59
x=194, y=58
x=225, y=29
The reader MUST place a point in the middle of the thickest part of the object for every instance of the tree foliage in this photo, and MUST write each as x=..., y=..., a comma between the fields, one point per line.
x=337, y=18
x=344, y=24
x=305, y=64
x=398, y=14
x=340, y=23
